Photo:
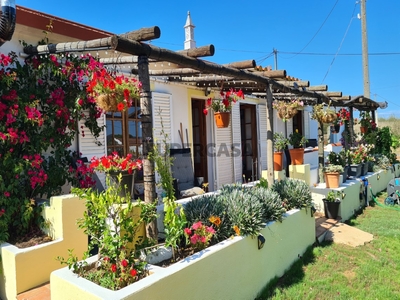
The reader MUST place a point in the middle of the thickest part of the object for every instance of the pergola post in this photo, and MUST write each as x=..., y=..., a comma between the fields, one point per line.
x=270, y=136
x=148, y=142
x=321, y=162
x=351, y=128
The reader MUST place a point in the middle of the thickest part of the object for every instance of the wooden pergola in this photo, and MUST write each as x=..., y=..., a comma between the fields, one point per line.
x=187, y=67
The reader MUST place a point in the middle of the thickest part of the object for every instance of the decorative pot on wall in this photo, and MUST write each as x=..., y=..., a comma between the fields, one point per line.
x=355, y=170
x=278, y=159
x=331, y=209
x=297, y=156
x=332, y=180
x=222, y=119
x=127, y=182
x=345, y=173
x=363, y=129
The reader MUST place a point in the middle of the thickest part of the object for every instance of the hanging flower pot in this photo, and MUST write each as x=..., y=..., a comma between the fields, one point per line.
x=363, y=129
x=113, y=92
x=107, y=102
x=287, y=109
x=222, y=119
x=297, y=156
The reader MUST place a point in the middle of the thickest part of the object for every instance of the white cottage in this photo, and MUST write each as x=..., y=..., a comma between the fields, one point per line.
x=219, y=155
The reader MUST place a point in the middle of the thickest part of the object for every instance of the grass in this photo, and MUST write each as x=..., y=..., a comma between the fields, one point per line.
x=335, y=271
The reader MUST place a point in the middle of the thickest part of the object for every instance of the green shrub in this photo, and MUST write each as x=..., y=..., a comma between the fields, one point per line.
x=244, y=210
x=294, y=193
x=272, y=204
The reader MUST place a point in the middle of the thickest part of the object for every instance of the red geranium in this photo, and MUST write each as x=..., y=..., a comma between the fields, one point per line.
x=114, y=162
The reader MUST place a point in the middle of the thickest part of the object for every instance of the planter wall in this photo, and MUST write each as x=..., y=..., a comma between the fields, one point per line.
x=349, y=203
x=380, y=184
x=219, y=268
x=23, y=269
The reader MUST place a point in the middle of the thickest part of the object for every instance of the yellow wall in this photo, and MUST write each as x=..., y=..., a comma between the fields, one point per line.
x=23, y=269
x=233, y=269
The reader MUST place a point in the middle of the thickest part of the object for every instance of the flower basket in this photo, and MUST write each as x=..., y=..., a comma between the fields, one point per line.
x=287, y=109
x=107, y=102
x=328, y=117
x=222, y=119
x=285, y=113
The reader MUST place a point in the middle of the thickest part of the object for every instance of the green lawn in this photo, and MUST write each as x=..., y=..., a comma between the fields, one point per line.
x=334, y=271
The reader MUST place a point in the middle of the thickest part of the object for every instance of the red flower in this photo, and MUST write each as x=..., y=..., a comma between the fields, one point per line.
x=120, y=106
x=133, y=272
x=113, y=268
x=124, y=263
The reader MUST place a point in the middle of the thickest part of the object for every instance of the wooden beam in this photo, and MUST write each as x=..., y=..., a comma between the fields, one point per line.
x=152, y=52
x=295, y=84
x=202, y=51
x=246, y=64
x=332, y=94
x=318, y=88
x=343, y=98
x=143, y=34
x=272, y=73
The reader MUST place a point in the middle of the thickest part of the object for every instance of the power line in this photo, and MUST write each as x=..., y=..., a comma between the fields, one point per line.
x=323, y=23
x=343, y=54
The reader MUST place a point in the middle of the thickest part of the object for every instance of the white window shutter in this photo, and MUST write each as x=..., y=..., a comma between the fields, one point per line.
x=89, y=146
x=237, y=144
x=224, y=153
x=262, y=136
x=162, y=121
x=306, y=122
x=162, y=111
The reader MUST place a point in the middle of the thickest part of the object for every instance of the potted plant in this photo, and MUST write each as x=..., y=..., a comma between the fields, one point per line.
x=331, y=204
x=366, y=122
x=323, y=115
x=356, y=157
x=297, y=140
x=341, y=159
x=332, y=173
x=115, y=165
x=222, y=106
x=287, y=109
x=112, y=92
x=280, y=143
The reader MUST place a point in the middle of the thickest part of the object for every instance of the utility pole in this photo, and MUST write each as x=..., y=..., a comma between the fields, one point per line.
x=365, y=48
x=276, y=58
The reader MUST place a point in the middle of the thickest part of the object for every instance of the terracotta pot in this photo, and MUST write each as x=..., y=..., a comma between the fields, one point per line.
x=297, y=156
x=332, y=180
x=363, y=129
x=222, y=119
x=278, y=156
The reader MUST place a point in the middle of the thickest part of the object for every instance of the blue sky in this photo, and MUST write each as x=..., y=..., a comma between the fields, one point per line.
x=307, y=35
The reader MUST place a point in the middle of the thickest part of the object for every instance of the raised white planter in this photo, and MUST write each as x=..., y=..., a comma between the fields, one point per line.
x=23, y=269
x=232, y=269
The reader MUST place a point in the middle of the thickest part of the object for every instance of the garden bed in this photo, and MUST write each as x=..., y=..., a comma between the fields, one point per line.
x=202, y=275
x=23, y=269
